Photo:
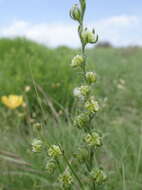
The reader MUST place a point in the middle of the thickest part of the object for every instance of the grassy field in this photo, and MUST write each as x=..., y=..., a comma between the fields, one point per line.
x=50, y=102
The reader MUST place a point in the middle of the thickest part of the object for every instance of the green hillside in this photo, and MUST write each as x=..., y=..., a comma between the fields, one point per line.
x=22, y=61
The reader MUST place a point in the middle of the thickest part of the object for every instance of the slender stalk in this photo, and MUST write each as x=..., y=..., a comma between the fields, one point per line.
x=74, y=173
x=80, y=29
x=59, y=166
x=91, y=157
x=89, y=164
x=94, y=186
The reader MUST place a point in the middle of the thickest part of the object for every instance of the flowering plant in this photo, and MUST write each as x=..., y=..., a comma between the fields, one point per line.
x=12, y=101
x=81, y=169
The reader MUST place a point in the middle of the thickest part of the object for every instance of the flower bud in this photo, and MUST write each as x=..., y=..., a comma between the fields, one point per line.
x=77, y=61
x=54, y=151
x=91, y=105
x=91, y=77
x=88, y=36
x=93, y=139
x=27, y=88
x=75, y=12
x=98, y=176
x=36, y=145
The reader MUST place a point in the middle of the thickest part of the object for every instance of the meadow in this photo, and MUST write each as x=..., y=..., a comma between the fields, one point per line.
x=43, y=76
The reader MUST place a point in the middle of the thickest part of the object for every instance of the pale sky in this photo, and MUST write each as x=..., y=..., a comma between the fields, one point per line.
x=48, y=21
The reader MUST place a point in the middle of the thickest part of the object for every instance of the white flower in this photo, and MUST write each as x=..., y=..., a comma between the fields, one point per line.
x=77, y=93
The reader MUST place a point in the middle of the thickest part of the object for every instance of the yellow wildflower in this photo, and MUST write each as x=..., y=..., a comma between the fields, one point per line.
x=12, y=101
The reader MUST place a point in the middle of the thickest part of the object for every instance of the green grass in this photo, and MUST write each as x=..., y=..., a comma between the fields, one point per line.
x=118, y=89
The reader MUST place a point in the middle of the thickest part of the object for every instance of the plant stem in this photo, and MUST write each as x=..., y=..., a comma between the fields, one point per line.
x=74, y=173
x=59, y=166
x=91, y=157
x=94, y=186
x=80, y=29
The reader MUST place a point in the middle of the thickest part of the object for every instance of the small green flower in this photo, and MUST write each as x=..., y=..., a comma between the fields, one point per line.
x=50, y=166
x=54, y=151
x=75, y=12
x=93, y=139
x=77, y=61
x=37, y=145
x=91, y=105
x=89, y=36
x=98, y=176
x=91, y=77
x=65, y=179
x=81, y=120
x=82, y=91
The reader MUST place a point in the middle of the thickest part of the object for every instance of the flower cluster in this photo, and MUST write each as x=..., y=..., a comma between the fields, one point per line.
x=82, y=92
x=91, y=77
x=91, y=105
x=54, y=151
x=93, y=139
x=65, y=179
x=98, y=176
x=77, y=61
x=81, y=121
x=89, y=36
